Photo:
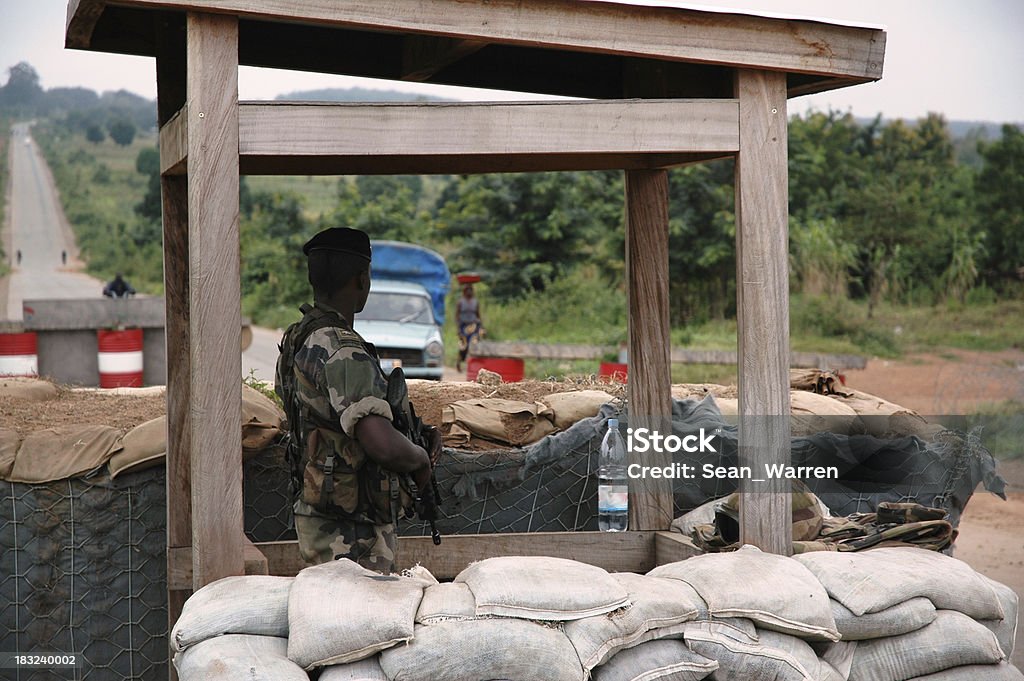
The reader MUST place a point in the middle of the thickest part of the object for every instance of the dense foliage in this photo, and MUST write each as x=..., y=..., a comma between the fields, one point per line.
x=880, y=212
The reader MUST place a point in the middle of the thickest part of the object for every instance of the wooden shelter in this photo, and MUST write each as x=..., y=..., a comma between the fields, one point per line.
x=659, y=87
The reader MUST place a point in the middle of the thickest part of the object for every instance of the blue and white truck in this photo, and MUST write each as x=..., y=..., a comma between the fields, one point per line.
x=404, y=312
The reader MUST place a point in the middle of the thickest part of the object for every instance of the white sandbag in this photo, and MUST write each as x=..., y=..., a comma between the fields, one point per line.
x=500, y=648
x=658, y=609
x=1006, y=628
x=542, y=588
x=976, y=672
x=666, y=660
x=739, y=657
x=569, y=407
x=871, y=581
x=702, y=515
x=901, y=618
x=363, y=670
x=800, y=651
x=250, y=604
x=774, y=591
x=341, y=612
x=952, y=640
x=447, y=602
x=840, y=656
x=238, y=656
x=813, y=413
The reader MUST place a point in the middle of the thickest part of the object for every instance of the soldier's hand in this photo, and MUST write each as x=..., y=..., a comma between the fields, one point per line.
x=433, y=440
x=421, y=476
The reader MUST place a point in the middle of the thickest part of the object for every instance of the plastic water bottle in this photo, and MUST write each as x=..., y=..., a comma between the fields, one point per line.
x=612, y=487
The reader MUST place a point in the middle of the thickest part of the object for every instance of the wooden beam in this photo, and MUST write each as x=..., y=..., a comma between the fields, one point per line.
x=170, y=81
x=650, y=377
x=670, y=33
x=81, y=22
x=762, y=272
x=174, y=144
x=214, y=298
x=613, y=551
x=424, y=56
x=505, y=137
x=670, y=547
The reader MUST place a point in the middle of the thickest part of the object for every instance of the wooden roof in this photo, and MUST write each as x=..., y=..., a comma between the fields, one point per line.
x=600, y=50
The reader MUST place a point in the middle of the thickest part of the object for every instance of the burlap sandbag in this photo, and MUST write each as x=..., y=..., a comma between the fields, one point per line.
x=882, y=418
x=507, y=421
x=363, y=670
x=871, y=581
x=813, y=413
x=658, y=609
x=446, y=602
x=238, y=656
x=739, y=657
x=340, y=612
x=901, y=618
x=261, y=420
x=1003, y=671
x=776, y=592
x=142, y=447
x=542, y=588
x=63, y=452
x=1006, y=628
x=250, y=604
x=952, y=640
x=799, y=650
x=569, y=407
x=666, y=660
x=483, y=649
x=10, y=441
x=28, y=389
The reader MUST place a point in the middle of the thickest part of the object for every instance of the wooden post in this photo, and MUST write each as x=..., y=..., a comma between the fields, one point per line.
x=650, y=378
x=214, y=298
x=762, y=270
x=170, y=79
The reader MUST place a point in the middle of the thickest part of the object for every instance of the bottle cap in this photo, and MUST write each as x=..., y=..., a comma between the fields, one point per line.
x=613, y=423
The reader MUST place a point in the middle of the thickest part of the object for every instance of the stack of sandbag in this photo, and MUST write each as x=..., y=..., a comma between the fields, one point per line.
x=883, y=615
x=515, y=422
x=146, y=445
x=907, y=613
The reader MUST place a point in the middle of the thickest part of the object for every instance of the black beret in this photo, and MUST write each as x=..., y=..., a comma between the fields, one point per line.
x=341, y=239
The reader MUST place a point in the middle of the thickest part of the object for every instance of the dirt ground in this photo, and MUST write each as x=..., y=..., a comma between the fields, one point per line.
x=991, y=535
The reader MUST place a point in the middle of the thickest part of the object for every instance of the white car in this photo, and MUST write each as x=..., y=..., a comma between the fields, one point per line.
x=399, y=320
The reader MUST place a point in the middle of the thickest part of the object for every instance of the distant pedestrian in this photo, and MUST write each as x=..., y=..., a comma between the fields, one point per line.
x=467, y=316
x=118, y=288
x=19, y=256
x=63, y=257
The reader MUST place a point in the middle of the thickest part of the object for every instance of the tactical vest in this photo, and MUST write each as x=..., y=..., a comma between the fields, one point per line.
x=329, y=470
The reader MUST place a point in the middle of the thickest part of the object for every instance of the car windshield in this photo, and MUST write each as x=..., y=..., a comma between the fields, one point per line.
x=396, y=307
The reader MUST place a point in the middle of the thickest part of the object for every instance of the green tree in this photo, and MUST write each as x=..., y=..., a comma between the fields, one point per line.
x=525, y=230
x=94, y=134
x=122, y=131
x=999, y=189
x=22, y=92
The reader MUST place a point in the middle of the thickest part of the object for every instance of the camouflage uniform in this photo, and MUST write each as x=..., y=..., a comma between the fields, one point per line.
x=344, y=508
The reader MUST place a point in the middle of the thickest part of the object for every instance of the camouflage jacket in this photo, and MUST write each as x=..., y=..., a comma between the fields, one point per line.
x=339, y=381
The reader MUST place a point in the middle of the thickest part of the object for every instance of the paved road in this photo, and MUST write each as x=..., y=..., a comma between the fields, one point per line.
x=38, y=231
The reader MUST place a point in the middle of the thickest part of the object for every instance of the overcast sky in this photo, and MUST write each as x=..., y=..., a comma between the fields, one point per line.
x=964, y=59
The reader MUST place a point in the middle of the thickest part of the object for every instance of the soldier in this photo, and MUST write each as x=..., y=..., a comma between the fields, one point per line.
x=350, y=456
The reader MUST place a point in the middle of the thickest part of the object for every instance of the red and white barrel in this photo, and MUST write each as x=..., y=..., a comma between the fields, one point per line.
x=18, y=354
x=120, y=355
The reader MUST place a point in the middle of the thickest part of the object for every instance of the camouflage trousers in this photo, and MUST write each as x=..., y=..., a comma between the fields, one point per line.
x=323, y=538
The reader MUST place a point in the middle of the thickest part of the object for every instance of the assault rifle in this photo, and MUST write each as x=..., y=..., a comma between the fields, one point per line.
x=406, y=422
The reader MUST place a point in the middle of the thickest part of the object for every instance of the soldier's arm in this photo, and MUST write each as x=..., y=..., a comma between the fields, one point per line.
x=391, y=450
